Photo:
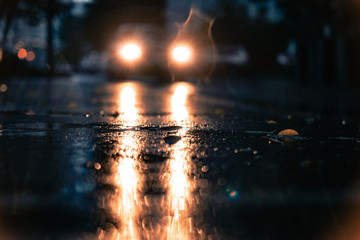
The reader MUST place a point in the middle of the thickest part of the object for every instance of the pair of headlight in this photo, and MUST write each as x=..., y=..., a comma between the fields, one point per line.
x=131, y=52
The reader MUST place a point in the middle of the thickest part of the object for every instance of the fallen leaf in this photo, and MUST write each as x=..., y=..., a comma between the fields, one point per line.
x=288, y=132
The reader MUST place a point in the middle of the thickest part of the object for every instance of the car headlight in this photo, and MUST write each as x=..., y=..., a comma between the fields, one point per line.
x=130, y=52
x=181, y=54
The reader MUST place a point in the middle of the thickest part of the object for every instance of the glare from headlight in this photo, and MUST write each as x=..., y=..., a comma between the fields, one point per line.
x=130, y=52
x=181, y=54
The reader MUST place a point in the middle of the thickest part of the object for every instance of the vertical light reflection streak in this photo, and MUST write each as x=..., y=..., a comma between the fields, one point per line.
x=178, y=104
x=180, y=184
x=128, y=110
x=126, y=177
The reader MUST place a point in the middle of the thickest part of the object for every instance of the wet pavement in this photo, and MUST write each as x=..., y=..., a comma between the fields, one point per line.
x=84, y=158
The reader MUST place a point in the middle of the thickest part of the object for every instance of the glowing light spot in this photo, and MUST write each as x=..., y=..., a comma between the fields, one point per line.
x=30, y=56
x=1, y=54
x=3, y=88
x=233, y=194
x=131, y=52
x=181, y=54
x=22, y=53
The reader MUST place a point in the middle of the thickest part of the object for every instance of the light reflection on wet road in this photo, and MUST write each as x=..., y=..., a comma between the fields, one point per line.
x=154, y=199
x=181, y=187
x=134, y=160
x=126, y=174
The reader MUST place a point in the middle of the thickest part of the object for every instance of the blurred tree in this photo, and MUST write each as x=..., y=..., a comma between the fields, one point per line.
x=33, y=11
x=71, y=33
x=7, y=12
x=327, y=36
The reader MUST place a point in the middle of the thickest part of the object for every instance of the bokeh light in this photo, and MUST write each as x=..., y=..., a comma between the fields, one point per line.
x=181, y=54
x=3, y=87
x=232, y=193
x=22, y=53
x=20, y=44
x=30, y=56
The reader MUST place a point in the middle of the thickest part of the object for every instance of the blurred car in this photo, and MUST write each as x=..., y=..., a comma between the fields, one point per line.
x=138, y=49
x=146, y=50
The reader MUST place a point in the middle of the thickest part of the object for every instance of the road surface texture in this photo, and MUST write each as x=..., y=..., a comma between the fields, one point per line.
x=84, y=158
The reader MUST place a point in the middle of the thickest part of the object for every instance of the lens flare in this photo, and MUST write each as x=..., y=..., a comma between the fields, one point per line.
x=181, y=54
x=130, y=52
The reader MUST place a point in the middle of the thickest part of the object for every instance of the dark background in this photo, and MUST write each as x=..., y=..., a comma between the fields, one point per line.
x=313, y=42
x=296, y=67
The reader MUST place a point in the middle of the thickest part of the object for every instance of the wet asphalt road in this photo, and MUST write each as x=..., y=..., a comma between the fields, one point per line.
x=83, y=158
